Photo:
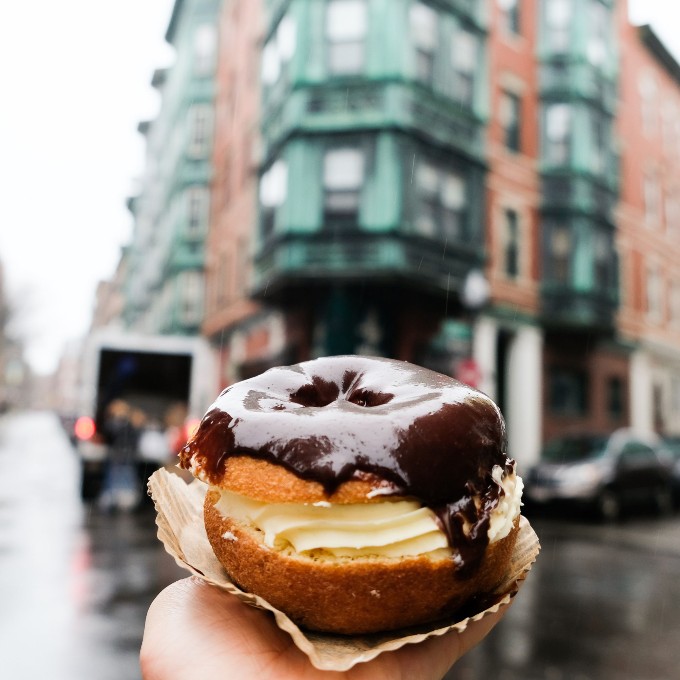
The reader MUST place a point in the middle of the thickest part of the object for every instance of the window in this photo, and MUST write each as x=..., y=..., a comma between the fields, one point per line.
x=205, y=48
x=278, y=51
x=197, y=211
x=615, y=398
x=599, y=146
x=598, y=40
x=441, y=202
x=511, y=15
x=558, y=133
x=559, y=253
x=648, y=103
x=423, y=22
x=637, y=452
x=464, y=58
x=273, y=192
x=602, y=256
x=511, y=243
x=346, y=26
x=343, y=176
x=271, y=64
x=558, y=23
x=191, y=286
x=223, y=280
x=652, y=198
x=654, y=294
x=568, y=391
x=674, y=303
x=510, y=114
x=200, y=129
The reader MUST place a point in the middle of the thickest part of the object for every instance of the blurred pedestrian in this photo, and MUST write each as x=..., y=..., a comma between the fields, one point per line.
x=122, y=427
x=154, y=453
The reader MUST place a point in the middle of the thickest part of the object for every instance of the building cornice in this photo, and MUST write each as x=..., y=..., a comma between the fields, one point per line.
x=659, y=51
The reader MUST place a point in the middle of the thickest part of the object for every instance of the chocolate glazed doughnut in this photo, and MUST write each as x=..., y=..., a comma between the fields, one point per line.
x=394, y=430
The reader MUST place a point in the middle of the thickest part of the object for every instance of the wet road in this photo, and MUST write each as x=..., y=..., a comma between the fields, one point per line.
x=602, y=603
x=74, y=584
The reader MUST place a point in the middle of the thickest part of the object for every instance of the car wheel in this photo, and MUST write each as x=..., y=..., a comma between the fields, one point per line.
x=608, y=506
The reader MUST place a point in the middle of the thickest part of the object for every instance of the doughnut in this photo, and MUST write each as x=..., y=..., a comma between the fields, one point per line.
x=358, y=494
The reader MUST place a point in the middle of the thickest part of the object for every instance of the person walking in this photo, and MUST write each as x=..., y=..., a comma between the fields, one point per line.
x=122, y=428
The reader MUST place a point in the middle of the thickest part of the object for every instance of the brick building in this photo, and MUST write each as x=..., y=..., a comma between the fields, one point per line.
x=373, y=157
x=648, y=227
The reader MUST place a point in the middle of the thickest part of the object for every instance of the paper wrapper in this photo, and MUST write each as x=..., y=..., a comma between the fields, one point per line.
x=180, y=528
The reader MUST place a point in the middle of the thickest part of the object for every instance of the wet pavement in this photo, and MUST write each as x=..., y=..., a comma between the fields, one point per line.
x=602, y=602
x=75, y=584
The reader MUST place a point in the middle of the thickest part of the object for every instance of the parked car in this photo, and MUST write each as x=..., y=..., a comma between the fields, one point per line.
x=604, y=473
x=671, y=447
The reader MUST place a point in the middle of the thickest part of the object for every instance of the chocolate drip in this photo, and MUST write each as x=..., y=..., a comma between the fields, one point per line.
x=338, y=418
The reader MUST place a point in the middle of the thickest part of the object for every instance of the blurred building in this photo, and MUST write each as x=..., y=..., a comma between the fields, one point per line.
x=648, y=226
x=15, y=374
x=485, y=188
x=165, y=280
x=109, y=303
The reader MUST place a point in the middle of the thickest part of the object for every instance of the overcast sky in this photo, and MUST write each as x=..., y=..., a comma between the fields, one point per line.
x=75, y=78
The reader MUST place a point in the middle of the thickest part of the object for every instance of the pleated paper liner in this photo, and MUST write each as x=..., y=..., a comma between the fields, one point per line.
x=179, y=518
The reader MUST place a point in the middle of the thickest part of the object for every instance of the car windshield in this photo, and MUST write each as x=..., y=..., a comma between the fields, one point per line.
x=574, y=449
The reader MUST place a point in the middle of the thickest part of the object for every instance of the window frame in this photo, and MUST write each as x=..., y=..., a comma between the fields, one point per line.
x=424, y=52
x=433, y=201
x=352, y=192
x=512, y=16
x=511, y=244
x=511, y=120
x=334, y=44
x=573, y=402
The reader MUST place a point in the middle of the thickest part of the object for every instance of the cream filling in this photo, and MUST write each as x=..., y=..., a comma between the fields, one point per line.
x=504, y=514
x=382, y=529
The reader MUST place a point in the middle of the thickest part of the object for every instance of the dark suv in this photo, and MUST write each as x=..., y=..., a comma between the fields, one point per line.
x=605, y=473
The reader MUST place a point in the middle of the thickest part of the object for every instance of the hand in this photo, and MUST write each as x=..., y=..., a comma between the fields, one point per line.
x=195, y=631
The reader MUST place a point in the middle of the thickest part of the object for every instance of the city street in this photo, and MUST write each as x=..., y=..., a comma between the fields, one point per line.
x=600, y=604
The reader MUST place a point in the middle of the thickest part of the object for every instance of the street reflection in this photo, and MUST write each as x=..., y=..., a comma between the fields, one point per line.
x=598, y=605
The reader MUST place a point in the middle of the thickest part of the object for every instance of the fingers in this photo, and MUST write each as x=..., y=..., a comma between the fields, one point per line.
x=195, y=630
x=431, y=659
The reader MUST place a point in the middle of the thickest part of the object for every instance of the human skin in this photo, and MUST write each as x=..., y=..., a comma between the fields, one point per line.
x=195, y=631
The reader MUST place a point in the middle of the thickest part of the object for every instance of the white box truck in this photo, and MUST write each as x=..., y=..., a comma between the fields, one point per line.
x=170, y=379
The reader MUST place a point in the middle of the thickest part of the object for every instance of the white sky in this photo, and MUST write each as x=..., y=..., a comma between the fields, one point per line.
x=75, y=81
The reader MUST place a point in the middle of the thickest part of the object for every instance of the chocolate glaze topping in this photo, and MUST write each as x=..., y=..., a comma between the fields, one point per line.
x=339, y=418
